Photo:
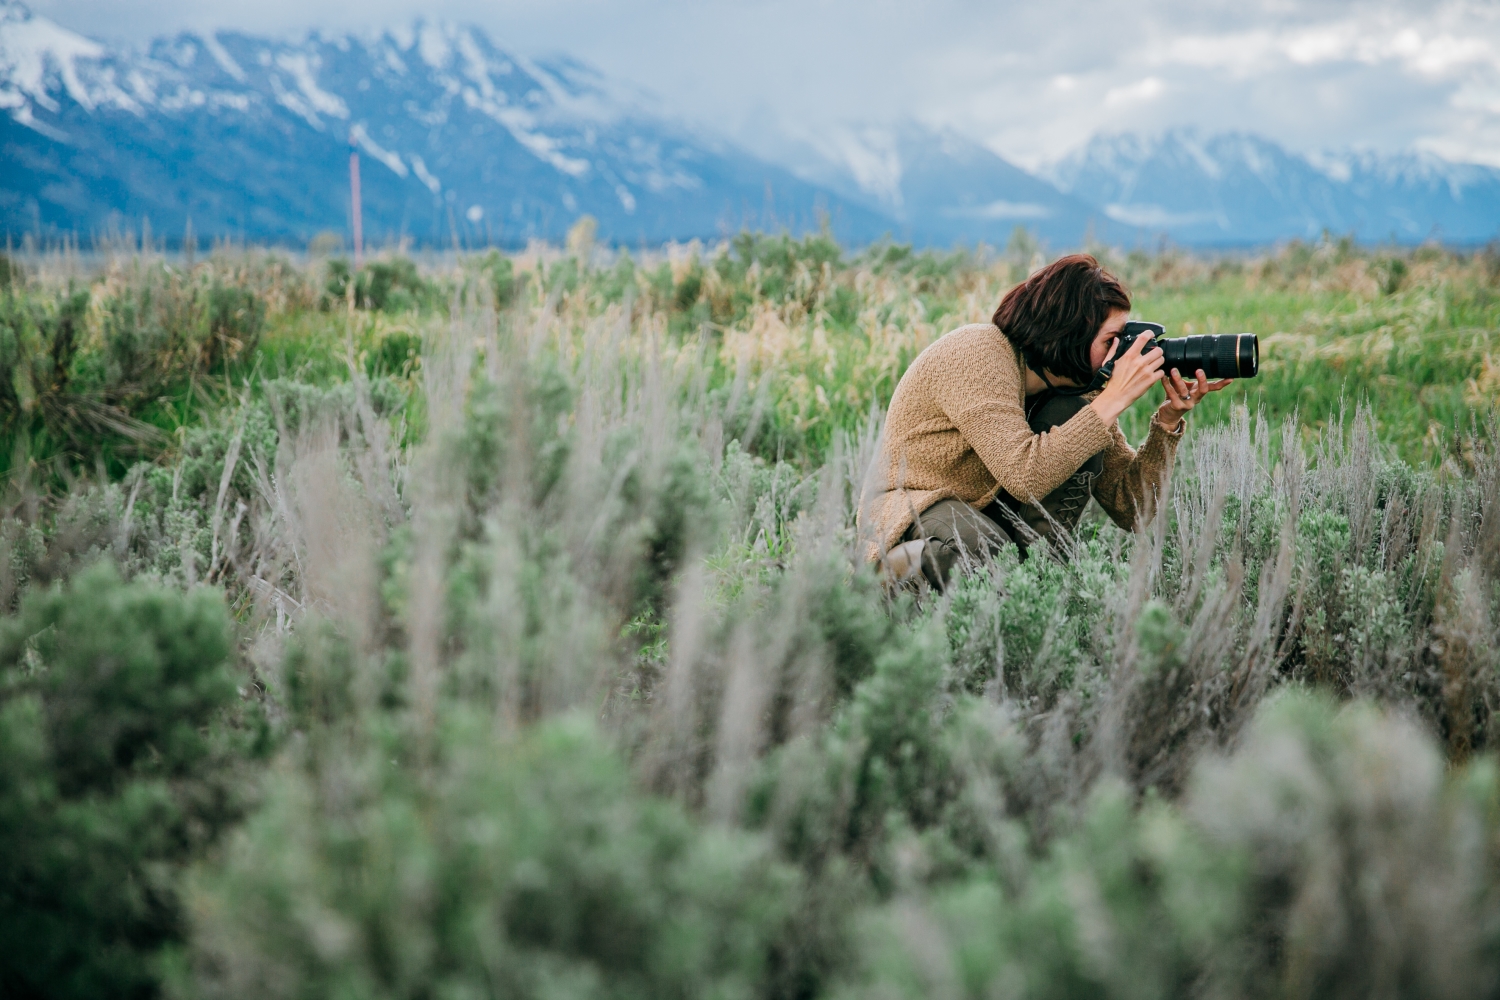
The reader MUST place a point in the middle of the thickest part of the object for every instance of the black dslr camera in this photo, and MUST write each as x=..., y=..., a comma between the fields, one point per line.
x=1220, y=355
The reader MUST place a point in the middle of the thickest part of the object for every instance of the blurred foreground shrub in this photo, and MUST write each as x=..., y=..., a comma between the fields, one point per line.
x=118, y=766
x=1329, y=856
x=524, y=867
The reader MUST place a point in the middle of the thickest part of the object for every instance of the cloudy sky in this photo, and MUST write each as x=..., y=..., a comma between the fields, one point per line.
x=1032, y=80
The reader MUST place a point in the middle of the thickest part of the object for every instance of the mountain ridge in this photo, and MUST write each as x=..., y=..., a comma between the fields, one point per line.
x=939, y=186
x=467, y=143
x=1237, y=187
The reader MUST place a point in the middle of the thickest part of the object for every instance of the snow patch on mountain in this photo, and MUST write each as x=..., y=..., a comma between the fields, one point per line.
x=36, y=55
x=419, y=167
x=32, y=48
x=872, y=158
x=221, y=56
x=1000, y=211
x=300, y=66
x=392, y=161
x=1159, y=217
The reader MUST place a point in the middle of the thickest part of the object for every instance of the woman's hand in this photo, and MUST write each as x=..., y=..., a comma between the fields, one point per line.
x=1136, y=371
x=1182, y=396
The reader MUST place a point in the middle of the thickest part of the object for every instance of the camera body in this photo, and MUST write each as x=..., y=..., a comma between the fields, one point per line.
x=1220, y=355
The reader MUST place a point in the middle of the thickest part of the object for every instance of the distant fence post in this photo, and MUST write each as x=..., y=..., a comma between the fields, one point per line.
x=359, y=229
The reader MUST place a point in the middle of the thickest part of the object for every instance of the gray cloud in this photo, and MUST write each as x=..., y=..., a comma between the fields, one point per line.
x=1032, y=80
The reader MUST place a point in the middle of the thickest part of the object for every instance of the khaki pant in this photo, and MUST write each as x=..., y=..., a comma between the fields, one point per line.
x=957, y=533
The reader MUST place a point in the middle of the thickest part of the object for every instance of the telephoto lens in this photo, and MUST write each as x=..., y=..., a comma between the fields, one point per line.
x=1220, y=355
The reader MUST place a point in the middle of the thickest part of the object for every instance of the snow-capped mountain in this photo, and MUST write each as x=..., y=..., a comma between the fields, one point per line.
x=464, y=142
x=1239, y=188
x=460, y=140
x=940, y=187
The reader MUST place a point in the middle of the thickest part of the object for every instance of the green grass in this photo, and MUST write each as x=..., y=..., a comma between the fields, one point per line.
x=800, y=337
x=1423, y=358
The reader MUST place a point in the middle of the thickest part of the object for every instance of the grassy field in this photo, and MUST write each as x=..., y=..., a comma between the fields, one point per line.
x=495, y=627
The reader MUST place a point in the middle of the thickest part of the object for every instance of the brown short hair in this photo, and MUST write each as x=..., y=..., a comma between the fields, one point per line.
x=1053, y=316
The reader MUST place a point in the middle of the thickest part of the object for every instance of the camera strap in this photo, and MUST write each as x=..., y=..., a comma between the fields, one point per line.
x=1097, y=382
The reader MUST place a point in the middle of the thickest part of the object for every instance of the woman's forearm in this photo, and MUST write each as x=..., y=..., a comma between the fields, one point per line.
x=1132, y=481
x=1109, y=409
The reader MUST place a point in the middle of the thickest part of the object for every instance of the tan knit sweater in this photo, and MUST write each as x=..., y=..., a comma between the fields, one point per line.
x=957, y=428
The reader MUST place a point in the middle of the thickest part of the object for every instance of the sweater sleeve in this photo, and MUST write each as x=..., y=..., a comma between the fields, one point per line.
x=1133, y=481
x=984, y=405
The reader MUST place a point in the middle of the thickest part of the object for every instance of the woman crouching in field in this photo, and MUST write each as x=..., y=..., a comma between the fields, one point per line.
x=981, y=448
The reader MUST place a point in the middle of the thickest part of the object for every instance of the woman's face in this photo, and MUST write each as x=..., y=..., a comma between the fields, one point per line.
x=1105, y=339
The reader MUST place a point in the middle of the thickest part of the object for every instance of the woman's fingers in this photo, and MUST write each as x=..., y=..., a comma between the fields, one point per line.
x=1178, y=393
x=1149, y=362
x=1141, y=350
x=1182, y=394
x=1174, y=388
x=1137, y=371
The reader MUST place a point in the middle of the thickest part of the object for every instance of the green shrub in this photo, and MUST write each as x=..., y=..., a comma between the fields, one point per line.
x=50, y=396
x=1365, y=874
x=1391, y=273
x=686, y=294
x=236, y=317
x=12, y=275
x=163, y=328
x=907, y=783
x=119, y=767
x=392, y=286
x=1020, y=626
x=523, y=868
x=1328, y=856
x=505, y=285
x=336, y=285
x=1133, y=904
x=389, y=285
x=398, y=354
x=103, y=383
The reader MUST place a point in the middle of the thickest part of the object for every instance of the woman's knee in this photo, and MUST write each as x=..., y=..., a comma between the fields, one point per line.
x=954, y=531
